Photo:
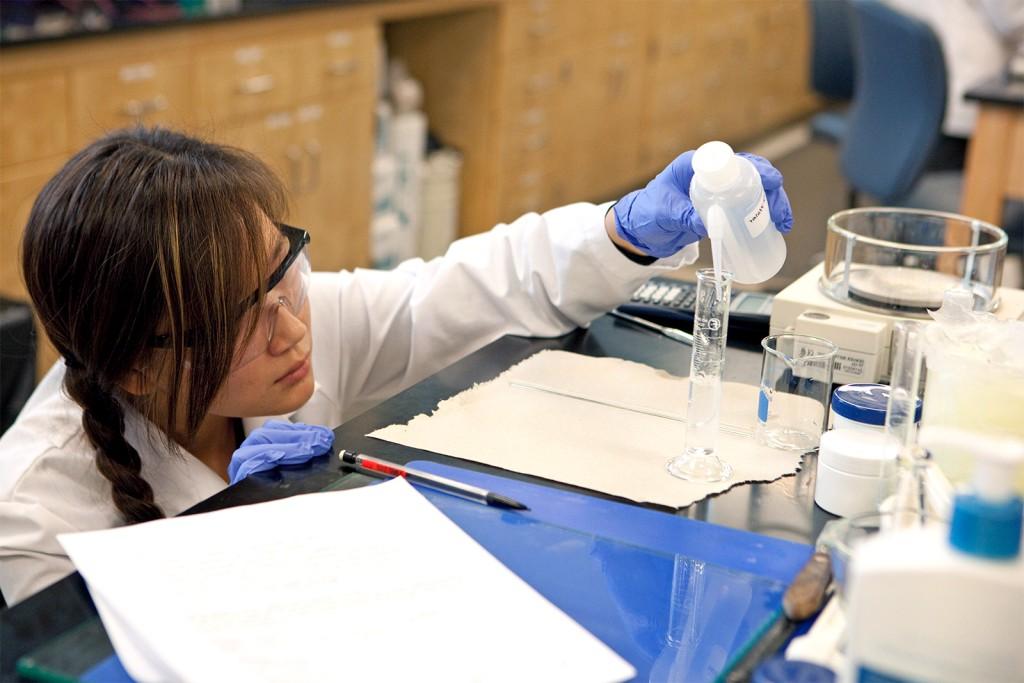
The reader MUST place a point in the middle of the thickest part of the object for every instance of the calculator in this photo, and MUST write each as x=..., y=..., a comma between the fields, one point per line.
x=670, y=302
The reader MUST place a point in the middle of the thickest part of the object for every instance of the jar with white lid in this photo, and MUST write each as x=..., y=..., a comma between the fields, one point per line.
x=855, y=471
x=862, y=406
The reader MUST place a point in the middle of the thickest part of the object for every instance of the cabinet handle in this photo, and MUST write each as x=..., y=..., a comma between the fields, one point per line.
x=343, y=67
x=621, y=39
x=565, y=71
x=256, y=85
x=529, y=179
x=540, y=29
x=313, y=152
x=534, y=117
x=158, y=103
x=294, y=156
x=679, y=46
x=617, y=72
x=536, y=142
x=133, y=109
x=136, y=109
x=339, y=39
x=538, y=83
x=132, y=73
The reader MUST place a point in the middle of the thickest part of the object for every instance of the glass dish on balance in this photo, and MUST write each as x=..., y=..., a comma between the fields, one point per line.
x=901, y=261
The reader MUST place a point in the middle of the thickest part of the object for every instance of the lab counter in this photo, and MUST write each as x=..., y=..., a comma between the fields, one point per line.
x=783, y=509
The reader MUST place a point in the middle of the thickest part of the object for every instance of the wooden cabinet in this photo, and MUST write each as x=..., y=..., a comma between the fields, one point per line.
x=549, y=101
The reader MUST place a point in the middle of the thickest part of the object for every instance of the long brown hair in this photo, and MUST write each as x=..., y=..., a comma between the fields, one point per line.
x=145, y=232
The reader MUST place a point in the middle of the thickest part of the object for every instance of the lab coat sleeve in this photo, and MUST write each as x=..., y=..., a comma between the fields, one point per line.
x=30, y=556
x=541, y=275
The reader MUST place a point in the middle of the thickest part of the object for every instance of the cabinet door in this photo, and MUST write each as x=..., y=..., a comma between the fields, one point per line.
x=610, y=120
x=33, y=117
x=271, y=138
x=116, y=94
x=336, y=140
x=18, y=190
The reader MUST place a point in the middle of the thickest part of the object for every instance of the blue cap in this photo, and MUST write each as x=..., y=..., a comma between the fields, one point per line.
x=779, y=670
x=865, y=403
x=986, y=528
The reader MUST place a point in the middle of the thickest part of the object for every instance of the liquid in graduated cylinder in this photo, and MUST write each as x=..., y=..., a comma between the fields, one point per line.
x=728, y=195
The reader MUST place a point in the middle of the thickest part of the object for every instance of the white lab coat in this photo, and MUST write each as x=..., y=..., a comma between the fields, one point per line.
x=978, y=38
x=374, y=334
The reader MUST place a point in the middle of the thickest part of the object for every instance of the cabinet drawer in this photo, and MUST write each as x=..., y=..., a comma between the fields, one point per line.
x=244, y=78
x=33, y=117
x=118, y=94
x=536, y=26
x=540, y=84
x=334, y=61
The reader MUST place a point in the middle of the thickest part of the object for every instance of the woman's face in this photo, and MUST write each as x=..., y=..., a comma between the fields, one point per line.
x=272, y=373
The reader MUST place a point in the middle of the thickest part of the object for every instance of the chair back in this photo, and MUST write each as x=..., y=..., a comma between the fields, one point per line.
x=898, y=104
x=832, y=68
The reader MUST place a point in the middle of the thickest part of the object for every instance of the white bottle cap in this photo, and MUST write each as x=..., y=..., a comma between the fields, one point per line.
x=714, y=165
x=407, y=94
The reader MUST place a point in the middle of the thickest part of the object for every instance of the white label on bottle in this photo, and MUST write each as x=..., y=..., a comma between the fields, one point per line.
x=759, y=218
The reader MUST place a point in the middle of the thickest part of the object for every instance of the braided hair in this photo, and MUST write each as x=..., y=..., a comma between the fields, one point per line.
x=147, y=232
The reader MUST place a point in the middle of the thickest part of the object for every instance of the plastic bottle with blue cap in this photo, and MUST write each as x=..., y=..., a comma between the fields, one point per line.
x=938, y=603
x=727, y=193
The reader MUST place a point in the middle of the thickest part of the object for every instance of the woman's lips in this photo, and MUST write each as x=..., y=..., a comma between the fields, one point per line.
x=296, y=373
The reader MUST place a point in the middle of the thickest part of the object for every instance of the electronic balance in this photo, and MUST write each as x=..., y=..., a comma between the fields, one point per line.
x=883, y=265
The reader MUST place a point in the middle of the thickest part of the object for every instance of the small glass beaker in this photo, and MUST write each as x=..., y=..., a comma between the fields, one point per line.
x=796, y=381
x=841, y=537
x=698, y=461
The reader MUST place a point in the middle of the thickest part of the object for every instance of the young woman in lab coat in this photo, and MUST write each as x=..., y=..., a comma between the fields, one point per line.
x=185, y=313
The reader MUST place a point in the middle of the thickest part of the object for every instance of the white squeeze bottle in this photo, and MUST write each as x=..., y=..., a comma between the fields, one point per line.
x=939, y=604
x=726, y=191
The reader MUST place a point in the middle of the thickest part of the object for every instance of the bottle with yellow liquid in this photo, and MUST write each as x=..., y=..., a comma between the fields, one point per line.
x=975, y=380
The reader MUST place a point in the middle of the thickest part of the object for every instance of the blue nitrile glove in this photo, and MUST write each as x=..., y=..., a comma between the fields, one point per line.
x=278, y=443
x=659, y=220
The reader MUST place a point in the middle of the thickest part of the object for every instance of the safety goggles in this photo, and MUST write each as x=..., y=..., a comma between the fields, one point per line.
x=287, y=288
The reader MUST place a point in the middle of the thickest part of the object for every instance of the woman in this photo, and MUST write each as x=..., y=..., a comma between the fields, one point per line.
x=183, y=309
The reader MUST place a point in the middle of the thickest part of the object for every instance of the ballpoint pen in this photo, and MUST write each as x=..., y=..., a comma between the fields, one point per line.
x=457, y=488
x=671, y=333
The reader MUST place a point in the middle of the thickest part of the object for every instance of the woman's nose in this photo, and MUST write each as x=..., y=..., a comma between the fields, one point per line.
x=289, y=329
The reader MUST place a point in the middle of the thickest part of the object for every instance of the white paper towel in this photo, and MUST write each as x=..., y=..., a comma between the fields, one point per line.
x=591, y=444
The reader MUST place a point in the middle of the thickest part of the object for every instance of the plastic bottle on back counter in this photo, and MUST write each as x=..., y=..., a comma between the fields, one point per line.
x=726, y=191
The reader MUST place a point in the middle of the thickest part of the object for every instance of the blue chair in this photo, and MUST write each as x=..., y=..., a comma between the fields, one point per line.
x=832, y=64
x=896, y=117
